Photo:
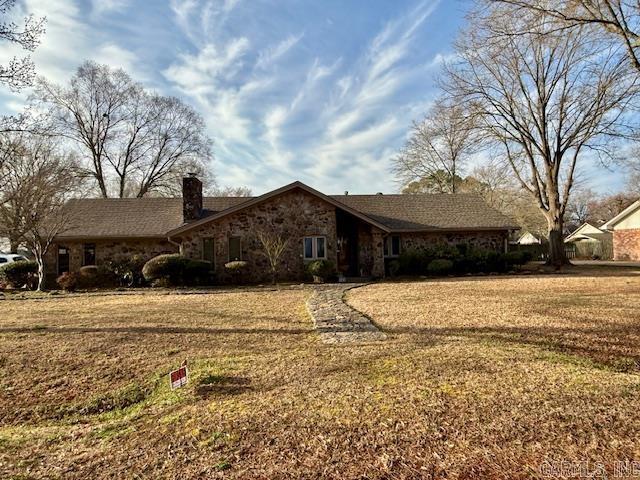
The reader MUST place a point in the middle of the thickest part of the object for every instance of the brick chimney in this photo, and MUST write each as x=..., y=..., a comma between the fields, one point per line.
x=191, y=198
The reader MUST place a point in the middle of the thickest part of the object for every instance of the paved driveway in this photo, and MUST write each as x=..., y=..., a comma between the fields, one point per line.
x=606, y=263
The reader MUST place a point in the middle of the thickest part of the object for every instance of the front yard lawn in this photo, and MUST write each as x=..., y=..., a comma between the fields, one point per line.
x=479, y=377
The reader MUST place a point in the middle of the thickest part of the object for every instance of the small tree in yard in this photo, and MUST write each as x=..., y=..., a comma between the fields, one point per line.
x=273, y=246
x=41, y=181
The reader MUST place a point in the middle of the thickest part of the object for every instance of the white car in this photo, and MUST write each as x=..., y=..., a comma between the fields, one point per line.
x=10, y=258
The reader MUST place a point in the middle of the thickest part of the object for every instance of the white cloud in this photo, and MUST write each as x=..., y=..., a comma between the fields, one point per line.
x=101, y=7
x=270, y=55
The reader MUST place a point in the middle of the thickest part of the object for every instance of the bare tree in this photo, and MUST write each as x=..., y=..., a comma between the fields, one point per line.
x=227, y=191
x=579, y=208
x=434, y=155
x=617, y=18
x=19, y=72
x=40, y=180
x=273, y=246
x=136, y=143
x=495, y=183
x=543, y=98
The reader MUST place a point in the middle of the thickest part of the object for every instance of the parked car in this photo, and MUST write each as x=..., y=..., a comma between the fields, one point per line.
x=10, y=258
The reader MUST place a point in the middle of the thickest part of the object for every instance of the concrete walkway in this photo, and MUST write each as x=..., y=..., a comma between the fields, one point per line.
x=336, y=321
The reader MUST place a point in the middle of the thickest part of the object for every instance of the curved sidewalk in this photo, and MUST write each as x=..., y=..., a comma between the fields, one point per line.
x=336, y=321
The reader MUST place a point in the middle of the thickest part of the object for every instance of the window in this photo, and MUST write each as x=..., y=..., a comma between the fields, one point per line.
x=315, y=248
x=63, y=260
x=392, y=246
x=235, y=251
x=208, y=250
x=89, y=254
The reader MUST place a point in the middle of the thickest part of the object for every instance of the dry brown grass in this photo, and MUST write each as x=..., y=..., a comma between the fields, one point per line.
x=481, y=378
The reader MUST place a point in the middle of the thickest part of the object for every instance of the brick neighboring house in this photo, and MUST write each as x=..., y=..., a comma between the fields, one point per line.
x=358, y=233
x=626, y=233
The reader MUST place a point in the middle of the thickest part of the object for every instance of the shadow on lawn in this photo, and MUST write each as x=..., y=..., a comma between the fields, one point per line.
x=155, y=330
x=612, y=347
x=223, y=385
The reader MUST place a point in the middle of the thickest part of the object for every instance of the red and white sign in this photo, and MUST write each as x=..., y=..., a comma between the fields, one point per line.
x=179, y=378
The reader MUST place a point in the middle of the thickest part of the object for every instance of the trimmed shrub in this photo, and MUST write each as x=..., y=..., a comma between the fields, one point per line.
x=518, y=257
x=394, y=268
x=68, y=281
x=414, y=262
x=236, y=266
x=198, y=272
x=19, y=274
x=440, y=266
x=125, y=270
x=321, y=268
x=165, y=269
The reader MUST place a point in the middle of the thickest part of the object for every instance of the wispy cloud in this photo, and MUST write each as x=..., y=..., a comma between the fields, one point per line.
x=268, y=56
x=295, y=93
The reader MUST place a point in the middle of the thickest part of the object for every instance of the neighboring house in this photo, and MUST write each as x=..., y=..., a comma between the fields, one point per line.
x=626, y=233
x=358, y=233
x=528, y=238
x=589, y=241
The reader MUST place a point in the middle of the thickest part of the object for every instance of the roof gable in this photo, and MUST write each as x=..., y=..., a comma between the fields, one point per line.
x=262, y=198
x=582, y=231
x=630, y=210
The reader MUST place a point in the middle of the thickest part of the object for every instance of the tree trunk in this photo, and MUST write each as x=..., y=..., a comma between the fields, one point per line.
x=13, y=245
x=557, y=255
x=40, y=262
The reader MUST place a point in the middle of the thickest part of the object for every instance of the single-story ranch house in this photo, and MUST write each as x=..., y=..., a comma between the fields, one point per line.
x=589, y=241
x=626, y=233
x=358, y=233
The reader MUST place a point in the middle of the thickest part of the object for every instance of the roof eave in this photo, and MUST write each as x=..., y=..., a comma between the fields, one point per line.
x=454, y=229
x=622, y=215
x=73, y=238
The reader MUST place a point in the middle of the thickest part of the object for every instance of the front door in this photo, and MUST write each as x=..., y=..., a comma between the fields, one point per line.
x=347, y=229
x=63, y=260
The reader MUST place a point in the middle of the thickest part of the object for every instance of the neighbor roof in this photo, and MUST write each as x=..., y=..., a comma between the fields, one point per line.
x=161, y=217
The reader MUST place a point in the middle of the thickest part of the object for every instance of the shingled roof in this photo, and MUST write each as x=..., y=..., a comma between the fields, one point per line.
x=429, y=212
x=133, y=217
x=155, y=217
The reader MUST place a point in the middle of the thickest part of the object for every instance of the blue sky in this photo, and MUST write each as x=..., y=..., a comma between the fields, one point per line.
x=318, y=91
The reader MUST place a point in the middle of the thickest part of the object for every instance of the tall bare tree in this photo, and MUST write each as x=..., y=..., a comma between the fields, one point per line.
x=19, y=72
x=433, y=157
x=39, y=181
x=542, y=97
x=617, y=18
x=135, y=143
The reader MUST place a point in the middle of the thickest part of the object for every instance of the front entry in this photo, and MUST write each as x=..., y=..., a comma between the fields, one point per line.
x=347, y=230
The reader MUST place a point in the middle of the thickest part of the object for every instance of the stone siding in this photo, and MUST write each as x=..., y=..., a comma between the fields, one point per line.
x=370, y=253
x=626, y=244
x=106, y=250
x=488, y=240
x=294, y=215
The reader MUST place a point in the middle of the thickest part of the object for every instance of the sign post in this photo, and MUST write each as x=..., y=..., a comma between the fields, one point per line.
x=179, y=378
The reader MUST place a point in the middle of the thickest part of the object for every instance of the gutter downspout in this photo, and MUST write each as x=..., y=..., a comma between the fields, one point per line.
x=179, y=245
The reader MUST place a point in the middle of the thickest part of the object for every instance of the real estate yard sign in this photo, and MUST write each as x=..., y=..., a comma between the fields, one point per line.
x=179, y=377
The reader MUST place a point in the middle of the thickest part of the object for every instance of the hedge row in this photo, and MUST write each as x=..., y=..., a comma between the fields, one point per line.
x=18, y=274
x=175, y=270
x=459, y=259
